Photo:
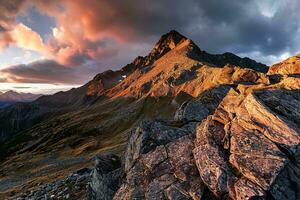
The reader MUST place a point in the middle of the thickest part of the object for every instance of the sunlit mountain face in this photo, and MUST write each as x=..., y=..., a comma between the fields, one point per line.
x=61, y=44
x=149, y=99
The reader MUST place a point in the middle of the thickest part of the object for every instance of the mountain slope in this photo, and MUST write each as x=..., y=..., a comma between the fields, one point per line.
x=290, y=66
x=176, y=50
x=71, y=127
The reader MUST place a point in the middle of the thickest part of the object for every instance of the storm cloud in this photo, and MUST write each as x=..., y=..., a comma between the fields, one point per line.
x=110, y=33
x=44, y=71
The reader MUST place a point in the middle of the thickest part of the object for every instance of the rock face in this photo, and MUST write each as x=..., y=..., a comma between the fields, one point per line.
x=290, y=66
x=202, y=106
x=159, y=164
x=106, y=177
x=247, y=149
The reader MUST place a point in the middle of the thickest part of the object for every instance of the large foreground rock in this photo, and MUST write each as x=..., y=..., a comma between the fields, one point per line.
x=159, y=164
x=249, y=147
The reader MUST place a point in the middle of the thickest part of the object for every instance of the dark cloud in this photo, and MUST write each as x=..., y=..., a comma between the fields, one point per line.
x=46, y=71
x=242, y=27
x=265, y=28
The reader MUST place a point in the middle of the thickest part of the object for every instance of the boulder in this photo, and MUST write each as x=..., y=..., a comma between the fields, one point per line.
x=199, y=108
x=106, y=177
x=159, y=164
x=249, y=147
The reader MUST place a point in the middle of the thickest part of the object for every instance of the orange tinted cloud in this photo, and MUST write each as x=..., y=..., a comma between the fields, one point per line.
x=23, y=37
x=8, y=11
x=83, y=28
x=5, y=40
x=86, y=29
x=26, y=38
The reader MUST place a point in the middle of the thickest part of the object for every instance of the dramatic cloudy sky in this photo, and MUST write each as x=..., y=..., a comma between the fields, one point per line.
x=47, y=46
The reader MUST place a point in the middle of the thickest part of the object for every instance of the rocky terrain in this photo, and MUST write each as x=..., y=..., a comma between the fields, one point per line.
x=179, y=123
x=247, y=149
x=290, y=66
x=71, y=187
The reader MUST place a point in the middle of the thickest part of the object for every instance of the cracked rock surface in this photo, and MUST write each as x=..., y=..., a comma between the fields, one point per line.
x=249, y=148
x=240, y=146
x=164, y=171
x=106, y=177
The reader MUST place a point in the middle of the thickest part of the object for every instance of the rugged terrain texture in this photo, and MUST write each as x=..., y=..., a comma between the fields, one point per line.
x=247, y=149
x=290, y=66
x=230, y=130
x=168, y=68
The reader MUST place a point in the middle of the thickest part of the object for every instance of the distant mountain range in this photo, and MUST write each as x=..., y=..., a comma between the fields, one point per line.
x=187, y=124
x=11, y=97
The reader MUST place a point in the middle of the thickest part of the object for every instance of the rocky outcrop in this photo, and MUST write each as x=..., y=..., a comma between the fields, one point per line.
x=159, y=164
x=290, y=66
x=197, y=109
x=105, y=178
x=247, y=149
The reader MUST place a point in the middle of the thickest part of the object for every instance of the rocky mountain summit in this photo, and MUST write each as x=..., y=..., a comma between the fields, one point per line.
x=179, y=123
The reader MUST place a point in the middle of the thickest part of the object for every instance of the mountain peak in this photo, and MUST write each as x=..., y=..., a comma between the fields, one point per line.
x=166, y=43
x=169, y=40
x=10, y=92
